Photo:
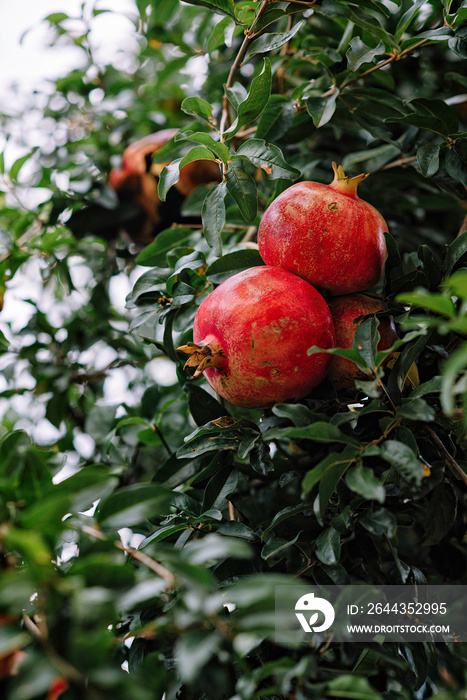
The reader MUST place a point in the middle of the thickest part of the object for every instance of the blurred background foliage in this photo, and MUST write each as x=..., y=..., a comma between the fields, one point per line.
x=134, y=506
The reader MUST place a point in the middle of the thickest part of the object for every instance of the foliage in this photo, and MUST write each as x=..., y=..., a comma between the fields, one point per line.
x=151, y=529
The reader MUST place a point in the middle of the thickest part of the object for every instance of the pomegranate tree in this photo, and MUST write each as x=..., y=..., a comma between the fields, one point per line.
x=344, y=310
x=325, y=234
x=251, y=337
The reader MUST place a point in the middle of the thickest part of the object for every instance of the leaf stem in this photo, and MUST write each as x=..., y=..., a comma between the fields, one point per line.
x=449, y=458
x=234, y=67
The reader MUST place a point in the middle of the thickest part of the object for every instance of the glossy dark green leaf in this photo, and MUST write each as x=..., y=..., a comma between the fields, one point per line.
x=269, y=158
x=258, y=96
x=203, y=407
x=362, y=480
x=428, y=159
x=225, y=7
x=456, y=163
x=458, y=43
x=231, y=263
x=380, y=522
x=271, y=41
x=155, y=253
x=416, y=409
x=328, y=546
x=440, y=514
x=275, y=547
x=213, y=215
x=131, y=505
x=321, y=109
x=317, y=432
x=242, y=188
x=276, y=119
x=359, y=53
x=403, y=459
x=407, y=18
x=217, y=147
x=198, y=107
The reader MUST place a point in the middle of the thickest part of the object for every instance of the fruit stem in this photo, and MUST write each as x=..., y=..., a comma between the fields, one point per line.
x=207, y=353
x=345, y=184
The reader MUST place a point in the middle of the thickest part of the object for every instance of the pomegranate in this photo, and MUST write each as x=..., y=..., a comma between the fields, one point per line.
x=136, y=183
x=251, y=337
x=344, y=310
x=325, y=234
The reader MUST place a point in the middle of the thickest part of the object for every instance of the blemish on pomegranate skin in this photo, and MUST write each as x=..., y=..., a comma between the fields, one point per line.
x=332, y=206
x=274, y=372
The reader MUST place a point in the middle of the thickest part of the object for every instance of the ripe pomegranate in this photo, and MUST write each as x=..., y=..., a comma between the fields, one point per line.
x=251, y=337
x=344, y=310
x=325, y=234
x=136, y=183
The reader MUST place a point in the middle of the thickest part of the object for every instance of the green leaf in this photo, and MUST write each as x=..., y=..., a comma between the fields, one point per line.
x=317, y=432
x=275, y=546
x=440, y=514
x=198, y=107
x=416, y=409
x=213, y=215
x=218, y=148
x=428, y=159
x=451, y=368
x=380, y=522
x=321, y=109
x=456, y=163
x=271, y=41
x=228, y=265
x=328, y=546
x=18, y=164
x=351, y=687
x=170, y=174
x=203, y=407
x=242, y=187
x=407, y=18
x=258, y=96
x=359, y=53
x=286, y=513
x=333, y=475
x=276, y=119
x=403, y=459
x=132, y=505
x=225, y=7
x=363, y=481
x=439, y=303
x=194, y=649
x=217, y=37
x=458, y=43
x=334, y=460
x=454, y=252
x=269, y=158
x=155, y=253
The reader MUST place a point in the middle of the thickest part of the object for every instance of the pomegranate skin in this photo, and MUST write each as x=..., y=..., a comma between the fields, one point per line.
x=325, y=234
x=344, y=310
x=261, y=322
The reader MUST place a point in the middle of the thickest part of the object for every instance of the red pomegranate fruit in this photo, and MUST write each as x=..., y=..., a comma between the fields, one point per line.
x=344, y=310
x=325, y=234
x=251, y=337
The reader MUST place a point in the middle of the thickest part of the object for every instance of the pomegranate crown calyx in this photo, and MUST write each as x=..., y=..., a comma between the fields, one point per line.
x=344, y=183
x=203, y=355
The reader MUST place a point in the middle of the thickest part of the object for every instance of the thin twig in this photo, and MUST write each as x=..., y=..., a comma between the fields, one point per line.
x=231, y=511
x=393, y=57
x=62, y=665
x=449, y=458
x=135, y=553
x=233, y=69
x=159, y=433
x=149, y=562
